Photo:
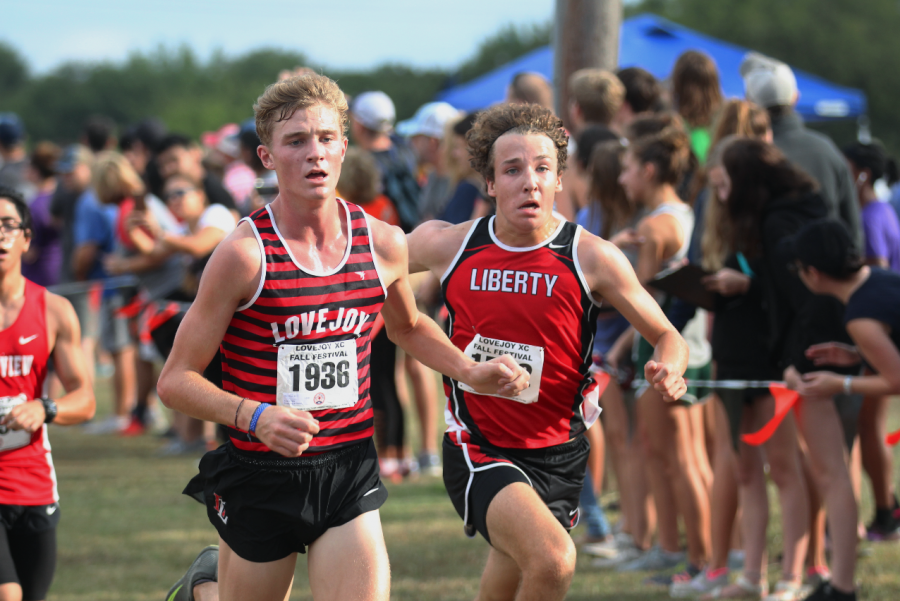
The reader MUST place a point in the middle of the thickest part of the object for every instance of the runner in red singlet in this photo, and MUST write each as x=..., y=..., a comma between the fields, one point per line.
x=291, y=297
x=527, y=284
x=34, y=326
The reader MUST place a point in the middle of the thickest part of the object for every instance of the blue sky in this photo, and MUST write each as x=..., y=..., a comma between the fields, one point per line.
x=339, y=33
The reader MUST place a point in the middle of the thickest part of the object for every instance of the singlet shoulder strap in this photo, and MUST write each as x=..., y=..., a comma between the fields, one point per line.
x=462, y=247
x=577, y=231
x=252, y=221
x=371, y=236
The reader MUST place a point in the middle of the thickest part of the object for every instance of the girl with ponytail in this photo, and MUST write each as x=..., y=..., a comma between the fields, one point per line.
x=652, y=168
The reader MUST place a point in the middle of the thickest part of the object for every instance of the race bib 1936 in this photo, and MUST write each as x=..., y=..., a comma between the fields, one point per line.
x=12, y=439
x=319, y=376
x=531, y=358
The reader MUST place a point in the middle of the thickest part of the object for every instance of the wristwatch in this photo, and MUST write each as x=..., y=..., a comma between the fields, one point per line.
x=50, y=409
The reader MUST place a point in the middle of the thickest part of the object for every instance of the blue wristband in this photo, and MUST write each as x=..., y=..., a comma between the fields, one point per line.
x=259, y=409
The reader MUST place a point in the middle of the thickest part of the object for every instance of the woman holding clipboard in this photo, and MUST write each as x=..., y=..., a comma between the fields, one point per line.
x=652, y=167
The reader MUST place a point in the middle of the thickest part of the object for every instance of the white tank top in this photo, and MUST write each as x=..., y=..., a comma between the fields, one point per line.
x=685, y=217
x=694, y=333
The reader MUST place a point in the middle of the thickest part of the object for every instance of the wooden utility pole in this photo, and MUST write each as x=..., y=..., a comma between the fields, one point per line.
x=586, y=34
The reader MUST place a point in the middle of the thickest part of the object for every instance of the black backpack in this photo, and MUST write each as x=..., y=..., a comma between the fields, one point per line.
x=398, y=166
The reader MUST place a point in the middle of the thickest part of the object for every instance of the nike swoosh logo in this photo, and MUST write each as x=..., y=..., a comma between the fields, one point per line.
x=175, y=592
x=558, y=245
x=23, y=340
x=573, y=512
x=51, y=509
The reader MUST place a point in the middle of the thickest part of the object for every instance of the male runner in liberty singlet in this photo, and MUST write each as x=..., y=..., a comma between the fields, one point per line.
x=291, y=297
x=34, y=326
x=528, y=284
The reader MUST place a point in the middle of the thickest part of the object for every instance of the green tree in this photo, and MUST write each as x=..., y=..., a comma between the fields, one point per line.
x=409, y=88
x=193, y=96
x=13, y=70
x=507, y=44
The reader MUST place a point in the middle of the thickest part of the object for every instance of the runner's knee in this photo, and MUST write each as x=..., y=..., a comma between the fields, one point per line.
x=553, y=563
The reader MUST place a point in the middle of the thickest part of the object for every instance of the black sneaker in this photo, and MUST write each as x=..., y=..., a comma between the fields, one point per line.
x=883, y=530
x=205, y=567
x=826, y=592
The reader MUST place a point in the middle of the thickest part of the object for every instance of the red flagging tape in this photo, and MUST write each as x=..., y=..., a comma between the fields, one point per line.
x=785, y=400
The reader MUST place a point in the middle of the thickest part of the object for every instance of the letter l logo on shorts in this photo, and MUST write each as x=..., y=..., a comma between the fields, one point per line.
x=220, y=508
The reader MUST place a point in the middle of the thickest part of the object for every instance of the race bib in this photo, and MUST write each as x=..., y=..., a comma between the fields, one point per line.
x=319, y=376
x=12, y=439
x=531, y=358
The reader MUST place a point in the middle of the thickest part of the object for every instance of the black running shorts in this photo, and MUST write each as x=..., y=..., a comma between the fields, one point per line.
x=474, y=472
x=28, y=547
x=267, y=508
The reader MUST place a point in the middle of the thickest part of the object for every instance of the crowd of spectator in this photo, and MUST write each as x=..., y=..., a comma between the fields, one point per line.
x=671, y=172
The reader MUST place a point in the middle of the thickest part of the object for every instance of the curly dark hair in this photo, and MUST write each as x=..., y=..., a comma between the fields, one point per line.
x=513, y=118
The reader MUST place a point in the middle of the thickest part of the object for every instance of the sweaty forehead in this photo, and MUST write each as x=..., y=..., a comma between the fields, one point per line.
x=526, y=147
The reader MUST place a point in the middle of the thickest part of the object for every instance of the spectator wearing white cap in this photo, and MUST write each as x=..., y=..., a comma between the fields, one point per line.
x=771, y=84
x=372, y=118
x=425, y=132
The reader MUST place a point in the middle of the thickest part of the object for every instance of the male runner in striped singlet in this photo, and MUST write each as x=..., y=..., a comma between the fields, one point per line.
x=34, y=326
x=291, y=297
x=528, y=283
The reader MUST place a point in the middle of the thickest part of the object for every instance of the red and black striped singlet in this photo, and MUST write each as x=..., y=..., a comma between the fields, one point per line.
x=296, y=306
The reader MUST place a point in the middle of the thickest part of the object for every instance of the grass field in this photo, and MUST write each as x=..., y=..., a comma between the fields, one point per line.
x=127, y=533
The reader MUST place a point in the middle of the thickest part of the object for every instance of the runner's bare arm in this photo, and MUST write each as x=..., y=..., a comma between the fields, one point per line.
x=611, y=278
x=433, y=245
x=230, y=279
x=77, y=405
x=876, y=346
x=418, y=335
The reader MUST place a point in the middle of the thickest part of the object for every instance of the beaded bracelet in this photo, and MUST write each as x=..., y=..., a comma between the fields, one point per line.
x=259, y=409
x=237, y=412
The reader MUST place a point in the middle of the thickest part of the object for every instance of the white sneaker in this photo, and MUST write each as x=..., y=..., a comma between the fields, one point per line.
x=699, y=584
x=788, y=591
x=112, y=424
x=606, y=548
x=622, y=555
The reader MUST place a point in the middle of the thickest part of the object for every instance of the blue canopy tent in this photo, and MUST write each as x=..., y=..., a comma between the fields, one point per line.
x=654, y=44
